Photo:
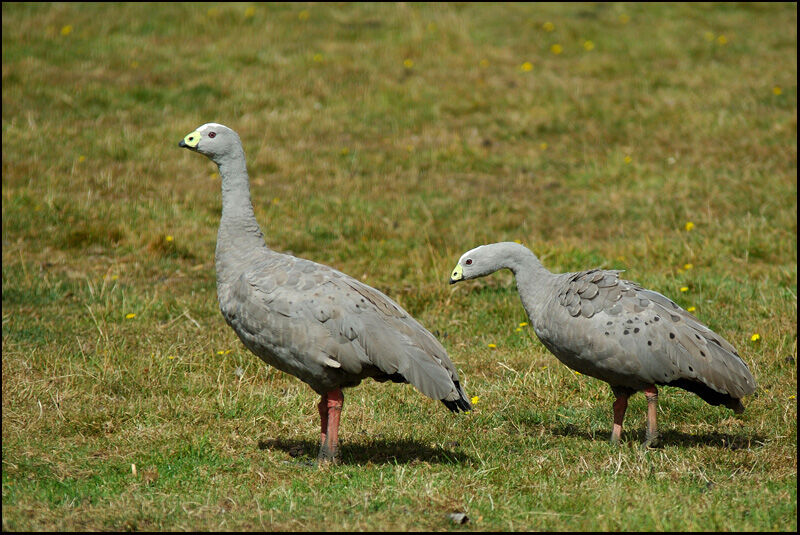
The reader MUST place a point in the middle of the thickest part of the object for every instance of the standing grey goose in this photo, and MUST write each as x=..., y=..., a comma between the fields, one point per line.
x=309, y=320
x=617, y=331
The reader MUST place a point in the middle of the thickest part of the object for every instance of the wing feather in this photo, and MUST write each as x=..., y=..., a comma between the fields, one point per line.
x=329, y=329
x=618, y=325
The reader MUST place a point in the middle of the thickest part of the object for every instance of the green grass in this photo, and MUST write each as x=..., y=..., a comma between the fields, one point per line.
x=385, y=140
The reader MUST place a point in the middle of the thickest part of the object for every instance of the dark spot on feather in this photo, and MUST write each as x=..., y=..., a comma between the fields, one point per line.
x=606, y=333
x=625, y=331
x=702, y=353
x=609, y=323
x=636, y=330
x=672, y=335
x=691, y=369
x=649, y=342
x=629, y=321
x=656, y=318
x=675, y=318
x=697, y=336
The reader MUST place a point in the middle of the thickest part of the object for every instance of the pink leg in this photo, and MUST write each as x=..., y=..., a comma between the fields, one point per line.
x=329, y=448
x=651, y=437
x=620, y=406
x=322, y=407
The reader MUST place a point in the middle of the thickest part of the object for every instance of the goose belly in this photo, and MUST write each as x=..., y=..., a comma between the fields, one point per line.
x=609, y=361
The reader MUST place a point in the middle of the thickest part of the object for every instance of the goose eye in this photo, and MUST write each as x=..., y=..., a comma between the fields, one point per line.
x=468, y=261
x=212, y=134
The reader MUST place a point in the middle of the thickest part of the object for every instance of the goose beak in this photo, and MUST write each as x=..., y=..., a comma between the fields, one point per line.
x=457, y=275
x=190, y=141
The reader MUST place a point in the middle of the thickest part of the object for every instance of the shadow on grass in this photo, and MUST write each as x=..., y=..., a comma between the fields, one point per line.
x=375, y=452
x=667, y=437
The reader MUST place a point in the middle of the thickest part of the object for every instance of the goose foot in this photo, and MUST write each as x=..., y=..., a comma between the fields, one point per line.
x=330, y=410
x=652, y=441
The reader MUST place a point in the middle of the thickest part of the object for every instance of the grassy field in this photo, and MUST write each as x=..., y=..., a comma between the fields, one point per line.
x=385, y=140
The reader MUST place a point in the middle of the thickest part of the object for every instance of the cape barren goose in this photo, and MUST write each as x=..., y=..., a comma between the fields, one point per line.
x=617, y=331
x=310, y=320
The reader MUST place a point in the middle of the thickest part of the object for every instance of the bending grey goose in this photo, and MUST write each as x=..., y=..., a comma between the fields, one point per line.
x=617, y=331
x=309, y=320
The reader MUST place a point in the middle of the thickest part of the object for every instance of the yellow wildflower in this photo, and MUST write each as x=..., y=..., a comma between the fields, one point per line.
x=249, y=12
x=577, y=373
x=556, y=49
x=792, y=396
x=493, y=346
x=627, y=159
x=548, y=26
x=484, y=63
x=81, y=158
x=518, y=241
x=709, y=36
x=408, y=63
x=689, y=226
x=722, y=40
x=523, y=324
x=475, y=400
x=214, y=176
x=755, y=338
x=303, y=15
x=66, y=30
x=684, y=288
x=130, y=316
x=169, y=238
x=526, y=67
x=318, y=58
x=171, y=357
x=688, y=266
x=518, y=329
x=691, y=309
x=543, y=146
x=777, y=90
x=588, y=45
